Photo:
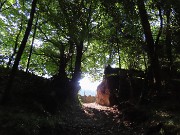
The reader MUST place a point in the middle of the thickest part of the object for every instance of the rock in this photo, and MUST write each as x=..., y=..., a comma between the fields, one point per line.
x=120, y=85
x=103, y=94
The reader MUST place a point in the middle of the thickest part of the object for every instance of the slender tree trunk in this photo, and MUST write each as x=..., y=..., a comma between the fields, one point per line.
x=70, y=56
x=62, y=63
x=77, y=71
x=168, y=40
x=154, y=62
x=117, y=43
x=157, y=70
x=75, y=87
x=16, y=44
x=31, y=49
x=7, y=94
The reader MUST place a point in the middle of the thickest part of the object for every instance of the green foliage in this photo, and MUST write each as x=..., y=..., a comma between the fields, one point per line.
x=111, y=33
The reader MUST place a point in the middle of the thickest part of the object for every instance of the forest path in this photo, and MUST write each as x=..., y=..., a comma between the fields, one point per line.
x=94, y=119
x=103, y=120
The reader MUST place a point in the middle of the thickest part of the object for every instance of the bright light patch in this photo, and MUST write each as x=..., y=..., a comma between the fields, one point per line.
x=88, y=87
x=38, y=43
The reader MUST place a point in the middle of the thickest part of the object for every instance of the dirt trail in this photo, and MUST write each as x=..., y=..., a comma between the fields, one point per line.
x=104, y=120
x=94, y=119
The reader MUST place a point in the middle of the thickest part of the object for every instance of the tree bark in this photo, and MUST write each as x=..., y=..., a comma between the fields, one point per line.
x=62, y=63
x=168, y=40
x=16, y=44
x=117, y=43
x=77, y=71
x=31, y=49
x=7, y=93
x=153, y=58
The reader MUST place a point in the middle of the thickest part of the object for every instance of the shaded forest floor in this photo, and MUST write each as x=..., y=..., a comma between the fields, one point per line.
x=132, y=120
x=91, y=118
x=29, y=113
x=100, y=120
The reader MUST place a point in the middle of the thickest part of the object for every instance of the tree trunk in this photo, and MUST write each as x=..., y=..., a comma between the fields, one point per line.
x=153, y=58
x=62, y=63
x=168, y=41
x=117, y=43
x=16, y=44
x=77, y=71
x=31, y=49
x=70, y=57
x=7, y=94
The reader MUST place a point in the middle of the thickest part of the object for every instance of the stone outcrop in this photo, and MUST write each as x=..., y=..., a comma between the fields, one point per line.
x=103, y=94
x=119, y=85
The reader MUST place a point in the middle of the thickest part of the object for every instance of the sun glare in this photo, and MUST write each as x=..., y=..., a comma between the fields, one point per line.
x=88, y=87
